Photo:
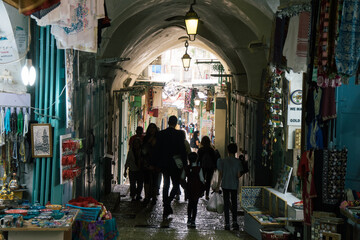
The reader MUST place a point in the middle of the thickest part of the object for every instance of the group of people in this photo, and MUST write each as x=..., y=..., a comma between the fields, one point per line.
x=167, y=152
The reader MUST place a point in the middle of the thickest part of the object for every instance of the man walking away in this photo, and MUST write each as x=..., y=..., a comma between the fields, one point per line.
x=170, y=158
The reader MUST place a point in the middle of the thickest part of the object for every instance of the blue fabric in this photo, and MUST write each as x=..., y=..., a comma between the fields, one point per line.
x=230, y=167
x=7, y=121
x=347, y=53
x=319, y=144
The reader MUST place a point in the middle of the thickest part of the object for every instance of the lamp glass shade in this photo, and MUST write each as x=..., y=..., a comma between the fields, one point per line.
x=186, y=61
x=25, y=75
x=32, y=76
x=191, y=22
x=191, y=26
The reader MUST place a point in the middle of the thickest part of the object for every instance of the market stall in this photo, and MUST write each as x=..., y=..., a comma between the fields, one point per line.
x=38, y=222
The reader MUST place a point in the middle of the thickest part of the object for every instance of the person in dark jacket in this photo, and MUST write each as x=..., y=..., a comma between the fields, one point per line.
x=207, y=160
x=170, y=157
x=195, y=187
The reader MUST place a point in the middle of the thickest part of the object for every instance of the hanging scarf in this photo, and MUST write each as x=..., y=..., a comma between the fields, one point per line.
x=20, y=123
x=26, y=124
x=7, y=121
x=347, y=53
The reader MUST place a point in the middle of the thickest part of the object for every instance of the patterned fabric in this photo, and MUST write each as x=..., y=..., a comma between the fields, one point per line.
x=252, y=197
x=334, y=171
x=328, y=29
x=348, y=47
x=97, y=230
x=293, y=8
x=82, y=33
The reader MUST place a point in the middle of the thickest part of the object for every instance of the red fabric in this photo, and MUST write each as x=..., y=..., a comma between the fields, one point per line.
x=302, y=41
x=306, y=173
x=84, y=201
x=328, y=104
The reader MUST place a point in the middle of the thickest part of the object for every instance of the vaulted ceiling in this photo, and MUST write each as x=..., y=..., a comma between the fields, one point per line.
x=142, y=29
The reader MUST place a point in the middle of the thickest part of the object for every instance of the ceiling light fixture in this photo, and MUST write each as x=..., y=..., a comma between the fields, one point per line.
x=191, y=22
x=186, y=59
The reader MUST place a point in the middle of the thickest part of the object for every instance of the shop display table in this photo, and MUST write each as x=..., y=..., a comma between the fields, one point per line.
x=266, y=208
x=30, y=231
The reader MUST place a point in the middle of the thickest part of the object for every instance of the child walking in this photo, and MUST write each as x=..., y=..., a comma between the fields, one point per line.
x=195, y=187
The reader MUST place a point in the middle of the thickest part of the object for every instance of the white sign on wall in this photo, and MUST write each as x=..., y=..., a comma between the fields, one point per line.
x=294, y=115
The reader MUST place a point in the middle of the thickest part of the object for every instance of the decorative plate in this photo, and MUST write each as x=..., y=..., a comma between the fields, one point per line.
x=296, y=97
x=17, y=211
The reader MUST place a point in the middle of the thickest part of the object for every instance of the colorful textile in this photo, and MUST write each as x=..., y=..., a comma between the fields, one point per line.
x=303, y=34
x=82, y=33
x=348, y=48
x=98, y=230
x=306, y=173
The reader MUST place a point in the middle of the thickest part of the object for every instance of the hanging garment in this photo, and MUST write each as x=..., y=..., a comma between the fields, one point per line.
x=82, y=34
x=294, y=62
x=157, y=97
x=279, y=39
x=306, y=173
x=7, y=121
x=60, y=16
x=27, y=7
x=328, y=104
x=303, y=34
x=347, y=53
x=26, y=123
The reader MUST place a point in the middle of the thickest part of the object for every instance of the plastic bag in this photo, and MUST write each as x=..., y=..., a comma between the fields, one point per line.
x=216, y=203
x=219, y=203
x=212, y=205
x=214, y=180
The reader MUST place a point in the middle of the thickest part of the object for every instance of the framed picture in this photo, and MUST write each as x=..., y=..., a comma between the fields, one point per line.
x=41, y=140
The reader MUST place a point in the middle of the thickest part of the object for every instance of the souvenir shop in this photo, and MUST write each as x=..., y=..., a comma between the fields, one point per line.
x=306, y=124
x=44, y=159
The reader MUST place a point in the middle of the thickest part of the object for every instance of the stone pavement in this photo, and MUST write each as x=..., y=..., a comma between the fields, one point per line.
x=135, y=220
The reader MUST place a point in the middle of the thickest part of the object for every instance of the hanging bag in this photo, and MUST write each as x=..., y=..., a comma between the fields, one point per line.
x=212, y=205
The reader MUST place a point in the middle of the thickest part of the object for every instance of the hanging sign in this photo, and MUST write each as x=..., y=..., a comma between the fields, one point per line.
x=294, y=115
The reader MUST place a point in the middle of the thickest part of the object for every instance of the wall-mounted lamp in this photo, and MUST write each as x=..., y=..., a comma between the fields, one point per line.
x=186, y=58
x=28, y=73
x=191, y=23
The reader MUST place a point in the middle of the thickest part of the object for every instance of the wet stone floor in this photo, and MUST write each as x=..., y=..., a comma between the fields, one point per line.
x=136, y=220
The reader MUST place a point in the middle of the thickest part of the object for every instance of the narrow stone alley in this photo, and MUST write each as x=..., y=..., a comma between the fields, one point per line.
x=135, y=220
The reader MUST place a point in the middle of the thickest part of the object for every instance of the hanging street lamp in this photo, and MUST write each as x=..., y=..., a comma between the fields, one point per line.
x=186, y=58
x=191, y=23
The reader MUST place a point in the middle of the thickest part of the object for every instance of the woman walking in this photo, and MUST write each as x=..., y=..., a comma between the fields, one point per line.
x=150, y=173
x=207, y=160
